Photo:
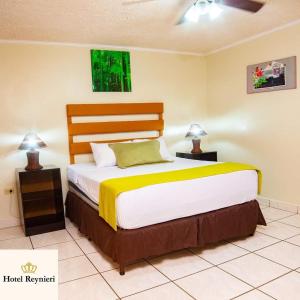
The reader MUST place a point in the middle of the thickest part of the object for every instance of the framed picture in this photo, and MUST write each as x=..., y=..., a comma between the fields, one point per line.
x=110, y=71
x=272, y=75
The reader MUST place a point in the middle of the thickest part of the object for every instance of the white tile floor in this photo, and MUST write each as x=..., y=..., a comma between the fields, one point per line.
x=264, y=266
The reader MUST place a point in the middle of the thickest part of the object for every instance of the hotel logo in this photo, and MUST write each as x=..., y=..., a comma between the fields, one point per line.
x=29, y=274
x=28, y=268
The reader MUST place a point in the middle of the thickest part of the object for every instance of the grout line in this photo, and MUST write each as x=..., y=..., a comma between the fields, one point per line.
x=118, y=297
x=252, y=251
x=229, y=260
x=147, y=289
x=258, y=287
x=292, y=212
x=103, y=278
x=235, y=297
x=51, y=244
x=174, y=279
x=61, y=283
x=31, y=242
x=275, y=262
x=267, y=294
x=252, y=291
x=277, y=237
x=280, y=221
x=67, y=257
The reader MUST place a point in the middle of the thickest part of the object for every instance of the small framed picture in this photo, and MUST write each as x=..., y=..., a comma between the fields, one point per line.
x=272, y=75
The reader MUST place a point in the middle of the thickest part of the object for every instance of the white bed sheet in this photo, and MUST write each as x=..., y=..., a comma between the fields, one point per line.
x=168, y=201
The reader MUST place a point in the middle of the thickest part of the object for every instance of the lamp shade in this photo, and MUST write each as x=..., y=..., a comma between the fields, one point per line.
x=195, y=132
x=31, y=141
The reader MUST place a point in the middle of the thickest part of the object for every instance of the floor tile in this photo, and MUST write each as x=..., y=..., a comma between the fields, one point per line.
x=19, y=243
x=213, y=284
x=102, y=262
x=89, y=288
x=254, y=295
x=69, y=224
x=11, y=233
x=293, y=220
x=50, y=238
x=75, y=268
x=283, y=253
x=284, y=206
x=167, y=291
x=262, y=206
x=294, y=240
x=179, y=264
x=264, y=202
x=284, y=288
x=255, y=242
x=279, y=230
x=138, y=277
x=86, y=245
x=75, y=233
x=65, y=250
x=220, y=253
x=254, y=269
x=275, y=214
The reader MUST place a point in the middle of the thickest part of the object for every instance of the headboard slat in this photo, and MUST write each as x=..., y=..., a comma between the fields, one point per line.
x=114, y=109
x=115, y=127
x=111, y=127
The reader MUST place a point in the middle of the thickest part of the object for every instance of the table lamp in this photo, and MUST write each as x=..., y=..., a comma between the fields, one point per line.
x=194, y=133
x=32, y=142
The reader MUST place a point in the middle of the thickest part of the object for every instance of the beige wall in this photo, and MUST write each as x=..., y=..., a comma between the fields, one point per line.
x=37, y=81
x=261, y=129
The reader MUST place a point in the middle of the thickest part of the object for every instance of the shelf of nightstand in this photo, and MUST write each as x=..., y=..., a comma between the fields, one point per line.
x=40, y=200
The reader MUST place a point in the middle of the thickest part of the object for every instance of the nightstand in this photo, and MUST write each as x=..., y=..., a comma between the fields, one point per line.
x=210, y=156
x=40, y=200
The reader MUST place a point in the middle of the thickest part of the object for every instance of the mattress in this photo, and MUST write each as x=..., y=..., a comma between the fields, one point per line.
x=167, y=201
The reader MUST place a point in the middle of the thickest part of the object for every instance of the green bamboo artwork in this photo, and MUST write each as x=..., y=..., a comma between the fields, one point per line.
x=110, y=71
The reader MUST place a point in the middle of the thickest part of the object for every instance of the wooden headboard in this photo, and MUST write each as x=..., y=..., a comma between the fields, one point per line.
x=121, y=109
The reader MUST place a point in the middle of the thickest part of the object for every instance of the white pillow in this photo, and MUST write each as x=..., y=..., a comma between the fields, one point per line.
x=164, y=152
x=104, y=156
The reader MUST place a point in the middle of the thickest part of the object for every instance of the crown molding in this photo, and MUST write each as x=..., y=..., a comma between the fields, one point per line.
x=254, y=37
x=113, y=47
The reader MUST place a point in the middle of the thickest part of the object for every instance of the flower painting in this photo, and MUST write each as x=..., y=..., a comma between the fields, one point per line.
x=273, y=75
x=110, y=71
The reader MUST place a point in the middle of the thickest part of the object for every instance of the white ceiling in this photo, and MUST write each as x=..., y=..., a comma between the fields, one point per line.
x=146, y=25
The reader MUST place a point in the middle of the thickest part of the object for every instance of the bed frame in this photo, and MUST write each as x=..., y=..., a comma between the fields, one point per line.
x=128, y=246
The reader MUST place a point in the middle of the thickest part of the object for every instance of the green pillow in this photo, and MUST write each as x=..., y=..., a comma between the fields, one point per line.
x=131, y=154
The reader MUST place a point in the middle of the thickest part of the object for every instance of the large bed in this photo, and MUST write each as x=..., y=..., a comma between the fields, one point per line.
x=160, y=218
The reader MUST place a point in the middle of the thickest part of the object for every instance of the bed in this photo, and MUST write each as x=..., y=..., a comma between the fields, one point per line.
x=203, y=211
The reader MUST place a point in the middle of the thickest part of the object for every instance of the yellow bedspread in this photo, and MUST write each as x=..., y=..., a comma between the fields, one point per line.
x=111, y=188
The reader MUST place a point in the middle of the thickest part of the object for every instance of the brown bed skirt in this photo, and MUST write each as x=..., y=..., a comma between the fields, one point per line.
x=128, y=246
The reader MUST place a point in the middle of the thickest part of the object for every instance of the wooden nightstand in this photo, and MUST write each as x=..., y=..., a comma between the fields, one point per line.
x=40, y=200
x=210, y=156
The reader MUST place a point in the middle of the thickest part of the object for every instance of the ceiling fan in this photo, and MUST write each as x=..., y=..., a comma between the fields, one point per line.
x=211, y=7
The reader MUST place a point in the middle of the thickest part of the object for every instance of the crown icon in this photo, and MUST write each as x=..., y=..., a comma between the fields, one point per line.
x=29, y=268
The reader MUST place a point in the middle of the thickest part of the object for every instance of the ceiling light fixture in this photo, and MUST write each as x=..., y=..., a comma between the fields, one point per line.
x=202, y=8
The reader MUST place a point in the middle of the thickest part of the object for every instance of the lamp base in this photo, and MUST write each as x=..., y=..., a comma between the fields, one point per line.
x=196, y=147
x=33, y=161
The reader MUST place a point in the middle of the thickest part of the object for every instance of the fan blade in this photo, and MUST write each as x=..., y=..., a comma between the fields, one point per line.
x=248, y=5
x=181, y=20
x=136, y=2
